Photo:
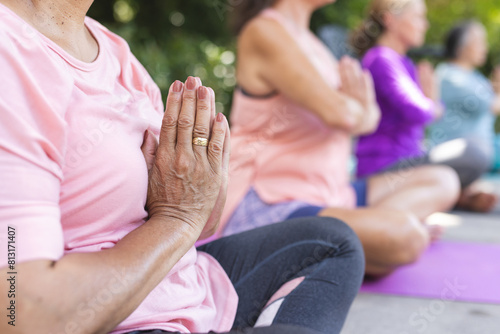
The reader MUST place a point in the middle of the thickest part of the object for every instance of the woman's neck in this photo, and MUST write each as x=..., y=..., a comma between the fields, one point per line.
x=62, y=21
x=299, y=12
x=68, y=13
x=464, y=64
x=394, y=43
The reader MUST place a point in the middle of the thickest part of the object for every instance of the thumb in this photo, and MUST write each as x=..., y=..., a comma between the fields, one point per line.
x=148, y=148
x=368, y=84
x=226, y=154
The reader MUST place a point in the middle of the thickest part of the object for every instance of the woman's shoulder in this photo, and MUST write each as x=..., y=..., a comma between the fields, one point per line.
x=106, y=36
x=118, y=47
x=30, y=72
x=21, y=43
x=451, y=74
x=261, y=25
x=446, y=71
x=380, y=54
x=385, y=60
x=263, y=36
x=24, y=54
x=15, y=33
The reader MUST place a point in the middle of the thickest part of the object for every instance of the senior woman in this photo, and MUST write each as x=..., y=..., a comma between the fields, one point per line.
x=294, y=115
x=472, y=101
x=79, y=122
x=409, y=98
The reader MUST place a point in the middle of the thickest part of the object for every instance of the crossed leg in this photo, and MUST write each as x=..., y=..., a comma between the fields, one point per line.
x=392, y=229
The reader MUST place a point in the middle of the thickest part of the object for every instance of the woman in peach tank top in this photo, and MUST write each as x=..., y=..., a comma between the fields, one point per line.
x=293, y=117
x=107, y=192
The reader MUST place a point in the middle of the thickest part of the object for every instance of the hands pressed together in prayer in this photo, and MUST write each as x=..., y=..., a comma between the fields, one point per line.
x=358, y=84
x=188, y=181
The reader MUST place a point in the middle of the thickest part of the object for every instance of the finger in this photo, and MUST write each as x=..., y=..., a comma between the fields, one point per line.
x=214, y=109
x=148, y=149
x=369, y=84
x=187, y=116
x=351, y=75
x=343, y=74
x=358, y=72
x=216, y=144
x=202, y=122
x=226, y=154
x=168, y=134
x=198, y=80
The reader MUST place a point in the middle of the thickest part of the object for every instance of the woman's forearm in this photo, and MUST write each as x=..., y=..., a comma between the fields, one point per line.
x=94, y=292
x=339, y=111
x=284, y=66
x=369, y=123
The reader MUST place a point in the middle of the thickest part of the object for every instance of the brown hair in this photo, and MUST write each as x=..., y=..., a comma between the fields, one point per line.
x=367, y=35
x=245, y=10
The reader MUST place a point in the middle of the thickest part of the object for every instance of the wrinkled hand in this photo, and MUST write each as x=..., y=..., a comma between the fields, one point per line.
x=189, y=182
x=214, y=220
x=358, y=84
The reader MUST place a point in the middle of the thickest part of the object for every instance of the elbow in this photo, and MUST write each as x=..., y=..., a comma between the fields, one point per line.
x=374, y=123
x=37, y=309
x=345, y=122
x=368, y=130
x=49, y=318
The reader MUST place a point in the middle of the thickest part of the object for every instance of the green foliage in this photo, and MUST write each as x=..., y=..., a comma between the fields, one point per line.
x=177, y=38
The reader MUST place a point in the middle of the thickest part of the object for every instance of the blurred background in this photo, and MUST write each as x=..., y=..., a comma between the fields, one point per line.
x=177, y=38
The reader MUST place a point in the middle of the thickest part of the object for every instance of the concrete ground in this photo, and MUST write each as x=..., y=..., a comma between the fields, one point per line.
x=383, y=314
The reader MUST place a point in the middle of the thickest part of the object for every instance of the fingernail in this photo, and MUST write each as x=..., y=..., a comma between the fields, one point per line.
x=220, y=117
x=202, y=93
x=190, y=83
x=177, y=86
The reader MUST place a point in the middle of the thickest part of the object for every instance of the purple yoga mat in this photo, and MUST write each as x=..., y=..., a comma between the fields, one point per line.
x=447, y=271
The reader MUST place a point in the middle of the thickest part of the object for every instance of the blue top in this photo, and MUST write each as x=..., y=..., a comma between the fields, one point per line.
x=468, y=97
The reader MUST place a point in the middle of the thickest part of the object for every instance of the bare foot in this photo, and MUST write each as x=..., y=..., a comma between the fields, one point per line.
x=435, y=232
x=477, y=202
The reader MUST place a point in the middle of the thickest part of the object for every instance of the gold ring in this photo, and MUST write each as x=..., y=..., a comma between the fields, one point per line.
x=198, y=141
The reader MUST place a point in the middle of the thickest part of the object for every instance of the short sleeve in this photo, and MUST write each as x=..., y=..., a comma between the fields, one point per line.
x=32, y=138
x=148, y=85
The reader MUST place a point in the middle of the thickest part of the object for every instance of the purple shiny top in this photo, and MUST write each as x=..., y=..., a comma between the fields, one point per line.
x=405, y=112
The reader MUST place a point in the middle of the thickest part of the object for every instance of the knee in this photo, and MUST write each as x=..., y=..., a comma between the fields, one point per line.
x=477, y=156
x=323, y=228
x=446, y=183
x=335, y=232
x=409, y=240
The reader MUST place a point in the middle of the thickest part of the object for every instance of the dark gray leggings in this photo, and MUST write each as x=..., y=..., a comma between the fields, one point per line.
x=467, y=157
x=323, y=250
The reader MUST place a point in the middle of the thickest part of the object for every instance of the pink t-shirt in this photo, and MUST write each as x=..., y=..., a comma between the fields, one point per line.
x=73, y=177
x=284, y=151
